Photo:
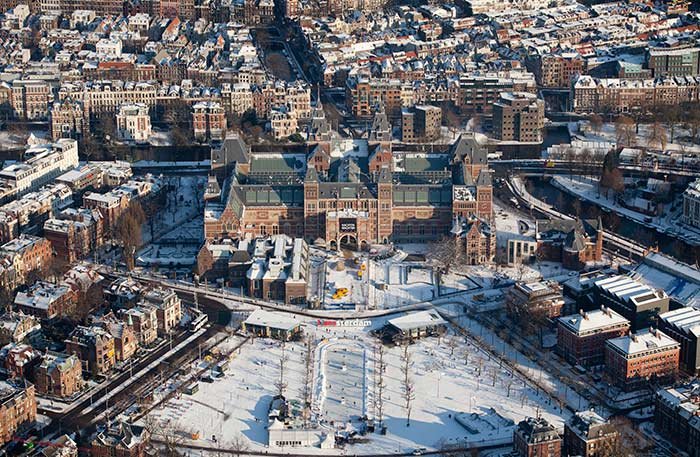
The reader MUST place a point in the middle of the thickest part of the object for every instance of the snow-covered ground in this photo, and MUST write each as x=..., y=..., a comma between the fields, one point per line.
x=173, y=236
x=511, y=225
x=582, y=130
x=452, y=378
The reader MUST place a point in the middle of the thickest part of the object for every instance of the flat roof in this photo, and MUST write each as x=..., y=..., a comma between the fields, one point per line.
x=281, y=321
x=420, y=319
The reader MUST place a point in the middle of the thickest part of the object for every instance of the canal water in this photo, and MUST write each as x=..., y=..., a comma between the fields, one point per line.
x=545, y=191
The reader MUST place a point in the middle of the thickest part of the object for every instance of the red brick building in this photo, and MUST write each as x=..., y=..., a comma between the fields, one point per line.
x=47, y=300
x=581, y=337
x=27, y=253
x=631, y=361
x=208, y=121
x=17, y=407
x=59, y=375
x=573, y=243
x=120, y=440
x=409, y=197
x=535, y=437
x=587, y=434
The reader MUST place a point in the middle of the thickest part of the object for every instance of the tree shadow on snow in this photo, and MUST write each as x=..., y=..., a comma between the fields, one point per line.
x=257, y=426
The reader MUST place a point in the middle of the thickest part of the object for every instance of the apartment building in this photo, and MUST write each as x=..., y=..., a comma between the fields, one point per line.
x=76, y=234
x=94, y=346
x=105, y=97
x=47, y=300
x=59, y=375
x=556, y=70
x=593, y=95
x=168, y=308
x=208, y=121
x=691, y=204
x=365, y=96
x=674, y=61
x=120, y=439
x=30, y=99
x=17, y=407
x=133, y=122
x=518, y=116
x=27, y=253
x=68, y=120
x=282, y=124
x=143, y=320
x=16, y=326
x=536, y=437
x=581, y=337
x=125, y=339
x=631, y=361
x=677, y=416
x=586, y=434
x=420, y=123
x=41, y=165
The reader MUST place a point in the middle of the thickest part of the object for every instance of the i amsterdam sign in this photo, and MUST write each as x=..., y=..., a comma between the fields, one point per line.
x=348, y=225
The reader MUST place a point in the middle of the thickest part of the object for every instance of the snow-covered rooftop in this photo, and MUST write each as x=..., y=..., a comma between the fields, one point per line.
x=262, y=318
x=593, y=320
x=642, y=342
x=421, y=319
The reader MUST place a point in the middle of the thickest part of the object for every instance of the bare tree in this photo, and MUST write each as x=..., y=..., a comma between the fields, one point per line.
x=625, y=131
x=596, y=122
x=308, y=379
x=445, y=252
x=381, y=385
x=409, y=388
x=657, y=135
x=452, y=343
x=238, y=445
x=281, y=384
x=128, y=231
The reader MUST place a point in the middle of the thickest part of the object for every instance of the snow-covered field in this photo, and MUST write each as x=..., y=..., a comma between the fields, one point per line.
x=452, y=378
x=681, y=143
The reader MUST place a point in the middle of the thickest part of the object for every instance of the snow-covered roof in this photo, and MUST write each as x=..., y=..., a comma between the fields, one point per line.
x=681, y=281
x=420, y=319
x=593, y=320
x=262, y=318
x=686, y=319
x=642, y=342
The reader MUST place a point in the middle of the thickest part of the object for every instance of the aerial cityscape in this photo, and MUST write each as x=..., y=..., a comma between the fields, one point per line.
x=350, y=227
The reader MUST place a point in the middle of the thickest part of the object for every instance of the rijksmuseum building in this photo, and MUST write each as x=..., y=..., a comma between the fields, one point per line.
x=352, y=193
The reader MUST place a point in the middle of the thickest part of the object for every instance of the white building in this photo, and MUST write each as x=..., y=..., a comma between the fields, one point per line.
x=133, y=122
x=42, y=164
x=111, y=47
x=691, y=204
